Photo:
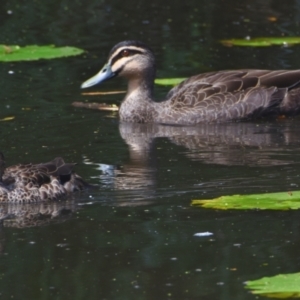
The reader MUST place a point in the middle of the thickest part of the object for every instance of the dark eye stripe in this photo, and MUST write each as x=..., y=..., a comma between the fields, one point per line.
x=119, y=56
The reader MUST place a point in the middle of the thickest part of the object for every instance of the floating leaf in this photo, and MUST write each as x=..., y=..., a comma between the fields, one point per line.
x=169, y=81
x=7, y=118
x=279, y=286
x=275, y=201
x=33, y=52
x=262, y=42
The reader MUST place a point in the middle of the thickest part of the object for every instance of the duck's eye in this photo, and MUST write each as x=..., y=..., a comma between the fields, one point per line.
x=125, y=53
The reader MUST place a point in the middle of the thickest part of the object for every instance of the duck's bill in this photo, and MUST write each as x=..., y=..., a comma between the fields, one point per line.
x=104, y=74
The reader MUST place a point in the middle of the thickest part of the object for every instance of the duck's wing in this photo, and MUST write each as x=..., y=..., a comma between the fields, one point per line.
x=66, y=175
x=23, y=174
x=36, y=174
x=247, y=78
x=233, y=95
x=57, y=168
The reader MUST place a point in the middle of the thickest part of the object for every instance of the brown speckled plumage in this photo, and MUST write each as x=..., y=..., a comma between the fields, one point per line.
x=209, y=97
x=38, y=182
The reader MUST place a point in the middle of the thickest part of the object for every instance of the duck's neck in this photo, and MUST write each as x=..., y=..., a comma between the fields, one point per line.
x=138, y=105
x=143, y=85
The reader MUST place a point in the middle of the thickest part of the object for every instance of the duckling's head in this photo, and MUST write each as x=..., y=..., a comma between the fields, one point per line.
x=129, y=59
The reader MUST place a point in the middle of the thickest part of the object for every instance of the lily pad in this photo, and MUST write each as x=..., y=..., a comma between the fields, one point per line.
x=34, y=52
x=279, y=286
x=168, y=81
x=262, y=42
x=274, y=201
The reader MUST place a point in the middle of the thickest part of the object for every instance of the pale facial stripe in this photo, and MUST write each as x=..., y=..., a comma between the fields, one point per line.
x=117, y=56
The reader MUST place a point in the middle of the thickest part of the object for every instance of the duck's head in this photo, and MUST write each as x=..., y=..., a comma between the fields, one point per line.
x=129, y=59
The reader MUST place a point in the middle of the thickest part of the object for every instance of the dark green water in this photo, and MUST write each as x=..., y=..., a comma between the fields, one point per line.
x=133, y=238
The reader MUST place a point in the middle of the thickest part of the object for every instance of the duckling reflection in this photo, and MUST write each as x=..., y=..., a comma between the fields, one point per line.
x=25, y=215
x=22, y=215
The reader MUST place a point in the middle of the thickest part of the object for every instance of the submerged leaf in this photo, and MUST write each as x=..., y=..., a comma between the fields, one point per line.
x=34, y=52
x=202, y=234
x=103, y=93
x=98, y=106
x=279, y=286
x=7, y=118
x=169, y=81
x=275, y=201
x=262, y=42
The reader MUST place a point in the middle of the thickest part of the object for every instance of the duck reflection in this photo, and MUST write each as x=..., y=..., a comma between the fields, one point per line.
x=248, y=144
x=231, y=144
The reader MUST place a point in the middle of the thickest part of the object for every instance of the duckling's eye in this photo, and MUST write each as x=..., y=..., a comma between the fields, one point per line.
x=125, y=53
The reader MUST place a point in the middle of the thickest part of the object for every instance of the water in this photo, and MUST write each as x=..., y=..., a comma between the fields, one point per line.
x=133, y=238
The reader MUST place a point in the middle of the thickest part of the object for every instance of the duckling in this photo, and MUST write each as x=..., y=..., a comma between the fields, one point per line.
x=209, y=97
x=38, y=182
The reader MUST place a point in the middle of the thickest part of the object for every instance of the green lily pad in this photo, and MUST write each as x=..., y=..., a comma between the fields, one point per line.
x=262, y=42
x=34, y=52
x=279, y=286
x=169, y=81
x=274, y=201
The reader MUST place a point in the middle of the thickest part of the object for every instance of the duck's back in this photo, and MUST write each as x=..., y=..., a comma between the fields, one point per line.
x=233, y=95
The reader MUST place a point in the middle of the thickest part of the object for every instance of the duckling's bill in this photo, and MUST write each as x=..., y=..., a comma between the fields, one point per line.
x=105, y=74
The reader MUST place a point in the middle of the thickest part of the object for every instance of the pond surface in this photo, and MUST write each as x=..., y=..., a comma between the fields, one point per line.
x=133, y=237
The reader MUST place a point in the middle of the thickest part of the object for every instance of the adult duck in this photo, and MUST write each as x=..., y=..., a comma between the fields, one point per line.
x=25, y=183
x=209, y=97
